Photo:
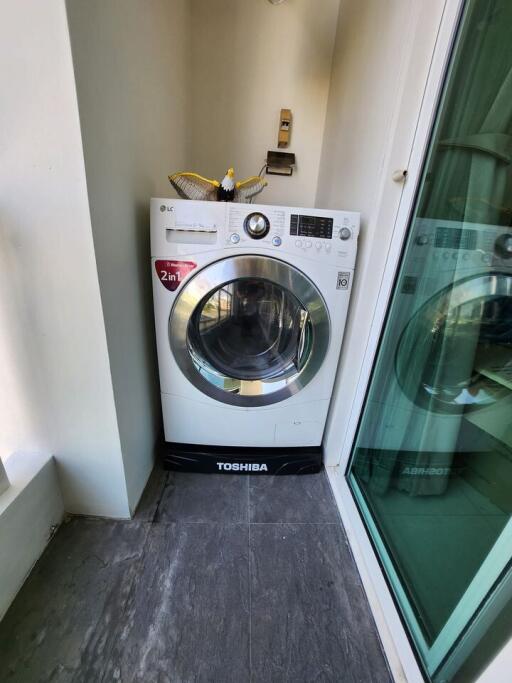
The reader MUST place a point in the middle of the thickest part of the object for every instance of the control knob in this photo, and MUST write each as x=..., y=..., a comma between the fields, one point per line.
x=503, y=246
x=345, y=233
x=256, y=225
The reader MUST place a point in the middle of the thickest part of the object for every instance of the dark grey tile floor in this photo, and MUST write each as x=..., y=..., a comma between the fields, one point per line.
x=218, y=578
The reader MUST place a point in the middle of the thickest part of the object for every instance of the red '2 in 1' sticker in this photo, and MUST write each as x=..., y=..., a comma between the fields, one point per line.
x=171, y=273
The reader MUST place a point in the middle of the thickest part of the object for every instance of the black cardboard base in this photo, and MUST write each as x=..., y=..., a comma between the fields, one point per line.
x=234, y=460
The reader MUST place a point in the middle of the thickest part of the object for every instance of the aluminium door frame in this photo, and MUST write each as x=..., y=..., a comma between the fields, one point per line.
x=400, y=652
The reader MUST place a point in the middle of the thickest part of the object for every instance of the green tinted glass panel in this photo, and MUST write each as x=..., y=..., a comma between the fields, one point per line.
x=432, y=462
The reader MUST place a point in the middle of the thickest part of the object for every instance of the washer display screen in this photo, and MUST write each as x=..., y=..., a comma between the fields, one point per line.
x=455, y=238
x=311, y=226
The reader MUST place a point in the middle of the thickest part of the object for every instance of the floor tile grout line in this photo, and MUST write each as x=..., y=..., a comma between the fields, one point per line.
x=250, y=573
x=250, y=602
x=178, y=522
x=297, y=523
x=248, y=500
x=181, y=522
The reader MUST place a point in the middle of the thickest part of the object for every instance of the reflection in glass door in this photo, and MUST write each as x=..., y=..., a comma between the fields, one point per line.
x=431, y=467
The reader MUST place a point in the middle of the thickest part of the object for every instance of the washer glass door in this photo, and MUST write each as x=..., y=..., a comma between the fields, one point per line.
x=249, y=330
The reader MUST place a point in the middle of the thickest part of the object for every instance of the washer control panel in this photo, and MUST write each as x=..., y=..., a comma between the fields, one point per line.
x=181, y=227
x=315, y=233
x=453, y=244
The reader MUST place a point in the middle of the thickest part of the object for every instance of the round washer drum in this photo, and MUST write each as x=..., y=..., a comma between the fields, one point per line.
x=444, y=339
x=249, y=330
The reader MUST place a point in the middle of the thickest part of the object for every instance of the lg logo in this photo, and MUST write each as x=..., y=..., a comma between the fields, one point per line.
x=163, y=208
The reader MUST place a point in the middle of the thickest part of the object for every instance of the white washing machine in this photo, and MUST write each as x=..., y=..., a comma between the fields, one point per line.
x=250, y=308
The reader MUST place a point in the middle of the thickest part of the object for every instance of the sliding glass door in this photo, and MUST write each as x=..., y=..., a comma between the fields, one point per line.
x=431, y=468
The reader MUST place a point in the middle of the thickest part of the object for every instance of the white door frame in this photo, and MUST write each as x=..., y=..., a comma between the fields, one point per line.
x=433, y=89
x=421, y=34
x=401, y=655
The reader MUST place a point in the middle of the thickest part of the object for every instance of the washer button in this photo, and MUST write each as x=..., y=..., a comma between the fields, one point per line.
x=308, y=244
x=234, y=238
x=277, y=241
x=298, y=243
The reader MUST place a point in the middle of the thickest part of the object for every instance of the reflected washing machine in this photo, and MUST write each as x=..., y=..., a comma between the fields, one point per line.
x=451, y=363
x=250, y=308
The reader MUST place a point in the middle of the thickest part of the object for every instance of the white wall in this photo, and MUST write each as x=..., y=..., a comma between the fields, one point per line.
x=381, y=62
x=56, y=386
x=132, y=62
x=250, y=59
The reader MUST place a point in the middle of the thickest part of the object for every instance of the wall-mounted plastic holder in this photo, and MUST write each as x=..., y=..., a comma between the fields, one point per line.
x=280, y=163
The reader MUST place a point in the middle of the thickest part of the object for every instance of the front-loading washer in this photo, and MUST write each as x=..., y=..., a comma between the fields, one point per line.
x=250, y=308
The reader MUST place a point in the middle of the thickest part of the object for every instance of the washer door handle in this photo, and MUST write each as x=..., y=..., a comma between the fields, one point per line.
x=304, y=319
